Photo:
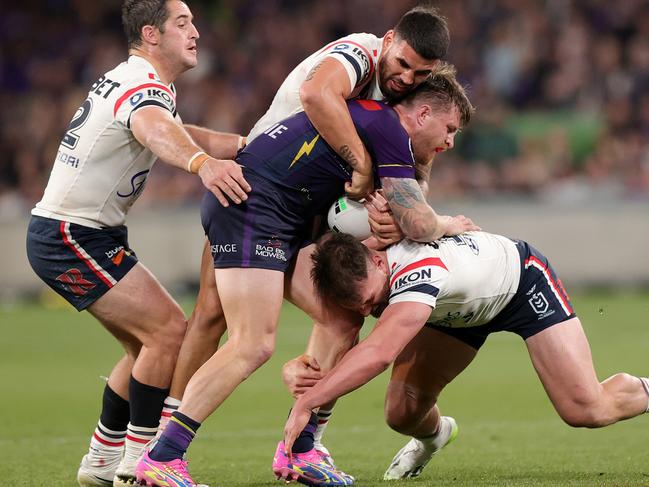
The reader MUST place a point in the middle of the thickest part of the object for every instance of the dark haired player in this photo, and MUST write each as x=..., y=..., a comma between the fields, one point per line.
x=355, y=66
x=77, y=242
x=437, y=303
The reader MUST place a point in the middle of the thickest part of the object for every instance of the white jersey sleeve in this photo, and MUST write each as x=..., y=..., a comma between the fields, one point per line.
x=358, y=53
x=146, y=93
x=100, y=168
x=467, y=279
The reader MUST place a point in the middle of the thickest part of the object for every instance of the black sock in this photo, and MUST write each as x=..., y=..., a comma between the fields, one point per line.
x=115, y=412
x=304, y=442
x=146, y=403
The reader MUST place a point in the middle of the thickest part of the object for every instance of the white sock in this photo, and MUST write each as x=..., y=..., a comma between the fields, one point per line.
x=137, y=438
x=323, y=419
x=170, y=405
x=106, y=445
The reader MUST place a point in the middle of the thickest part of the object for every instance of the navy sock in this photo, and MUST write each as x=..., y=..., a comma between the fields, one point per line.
x=146, y=403
x=115, y=410
x=175, y=439
x=304, y=442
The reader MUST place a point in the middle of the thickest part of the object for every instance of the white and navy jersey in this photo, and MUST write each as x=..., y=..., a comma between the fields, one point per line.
x=358, y=53
x=467, y=279
x=100, y=168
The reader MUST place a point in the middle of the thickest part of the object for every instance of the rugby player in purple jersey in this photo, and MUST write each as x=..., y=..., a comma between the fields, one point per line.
x=295, y=175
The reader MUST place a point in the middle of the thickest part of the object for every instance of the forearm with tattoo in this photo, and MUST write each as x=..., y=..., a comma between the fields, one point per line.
x=347, y=154
x=416, y=218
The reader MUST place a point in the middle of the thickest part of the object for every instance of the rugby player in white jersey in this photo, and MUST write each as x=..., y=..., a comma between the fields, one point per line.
x=77, y=241
x=437, y=303
x=356, y=66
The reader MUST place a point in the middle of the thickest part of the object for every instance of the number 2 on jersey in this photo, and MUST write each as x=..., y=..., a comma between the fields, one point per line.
x=71, y=137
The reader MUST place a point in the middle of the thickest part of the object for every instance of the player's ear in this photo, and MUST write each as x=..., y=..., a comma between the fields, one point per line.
x=423, y=114
x=388, y=38
x=379, y=262
x=150, y=35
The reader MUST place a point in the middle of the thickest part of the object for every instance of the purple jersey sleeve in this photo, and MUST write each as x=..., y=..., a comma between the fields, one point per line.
x=385, y=138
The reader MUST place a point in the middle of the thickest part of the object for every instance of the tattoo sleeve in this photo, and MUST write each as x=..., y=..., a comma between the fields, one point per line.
x=416, y=218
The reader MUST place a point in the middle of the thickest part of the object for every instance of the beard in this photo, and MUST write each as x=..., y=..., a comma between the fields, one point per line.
x=390, y=95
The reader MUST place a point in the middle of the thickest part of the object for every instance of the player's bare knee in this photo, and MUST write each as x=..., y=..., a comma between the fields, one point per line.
x=169, y=334
x=254, y=354
x=208, y=320
x=405, y=408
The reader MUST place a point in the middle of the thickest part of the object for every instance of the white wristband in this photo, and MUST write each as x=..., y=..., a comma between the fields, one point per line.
x=241, y=143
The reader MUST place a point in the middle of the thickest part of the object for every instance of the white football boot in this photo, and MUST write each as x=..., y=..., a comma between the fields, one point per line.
x=97, y=472
x=412, y=458
x=125, y=472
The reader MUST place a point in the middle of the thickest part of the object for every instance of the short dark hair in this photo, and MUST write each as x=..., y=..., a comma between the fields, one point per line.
x=425, y=30
x=443, y=90
x=339, y=265
x=138, y=13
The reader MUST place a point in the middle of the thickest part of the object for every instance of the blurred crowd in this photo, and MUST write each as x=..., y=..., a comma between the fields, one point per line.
x=561, y=87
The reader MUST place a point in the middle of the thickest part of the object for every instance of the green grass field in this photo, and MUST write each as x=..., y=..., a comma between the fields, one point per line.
x=51, y=362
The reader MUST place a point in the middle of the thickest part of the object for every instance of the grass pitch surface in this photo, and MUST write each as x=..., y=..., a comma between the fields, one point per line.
x=51, y=361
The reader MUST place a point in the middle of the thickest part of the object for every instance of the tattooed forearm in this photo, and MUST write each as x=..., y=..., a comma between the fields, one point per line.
x=346, y=153
x=417, y=220
x=405, y=193
x=311, y=74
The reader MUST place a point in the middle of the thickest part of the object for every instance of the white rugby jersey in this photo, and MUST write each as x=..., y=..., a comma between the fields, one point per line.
x=358, y=53
x=100, y=168
x=467, y=279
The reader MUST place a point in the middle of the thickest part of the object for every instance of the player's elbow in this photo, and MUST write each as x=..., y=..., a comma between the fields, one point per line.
x=313, y=97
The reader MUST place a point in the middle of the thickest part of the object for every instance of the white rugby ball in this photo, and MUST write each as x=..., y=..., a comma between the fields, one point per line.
x=349, y=216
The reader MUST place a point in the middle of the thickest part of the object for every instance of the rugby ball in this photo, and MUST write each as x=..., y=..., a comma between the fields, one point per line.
x=349, y=216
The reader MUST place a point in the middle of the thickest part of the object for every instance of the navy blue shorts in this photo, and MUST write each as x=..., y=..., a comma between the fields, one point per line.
x=539, y=303
x=80, y=263
x=263, y=232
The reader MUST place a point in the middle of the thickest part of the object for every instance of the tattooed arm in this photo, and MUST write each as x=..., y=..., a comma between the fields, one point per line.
x=418, y=221
x=323, y=94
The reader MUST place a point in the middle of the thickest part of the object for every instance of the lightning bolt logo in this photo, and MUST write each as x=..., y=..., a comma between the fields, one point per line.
x=306, y=148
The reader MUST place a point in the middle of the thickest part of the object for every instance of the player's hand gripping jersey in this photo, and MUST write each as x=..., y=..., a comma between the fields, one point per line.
x=358, y=53
x=100, y=168
x=467, y=279
x=292, y=155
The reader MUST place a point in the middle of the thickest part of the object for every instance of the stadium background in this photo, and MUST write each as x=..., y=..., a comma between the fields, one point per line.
x=558, y=154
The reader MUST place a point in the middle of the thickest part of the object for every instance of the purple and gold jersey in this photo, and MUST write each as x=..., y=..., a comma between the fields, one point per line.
x=292, y=154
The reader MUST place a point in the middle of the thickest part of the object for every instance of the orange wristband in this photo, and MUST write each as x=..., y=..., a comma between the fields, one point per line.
x=196, y=162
